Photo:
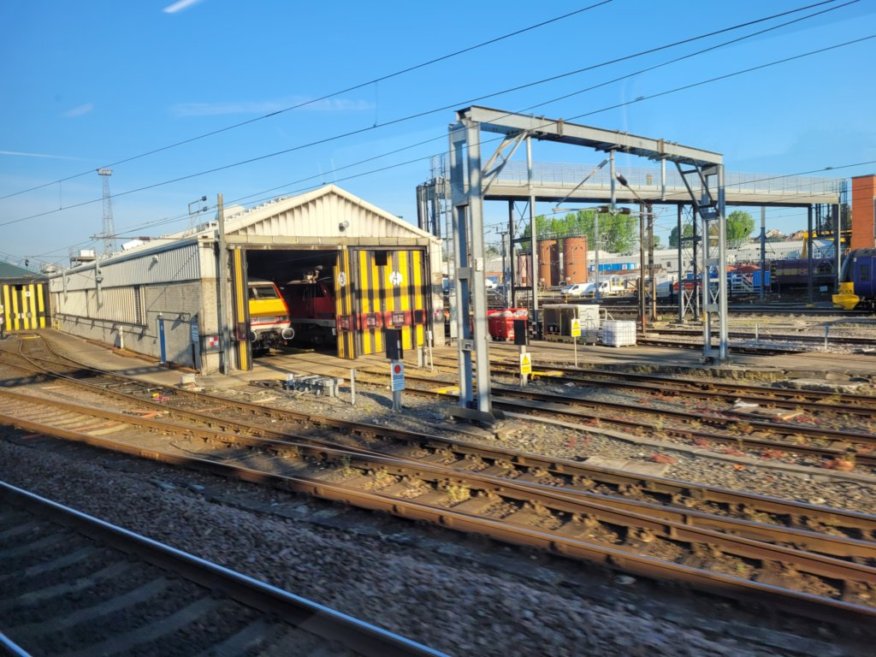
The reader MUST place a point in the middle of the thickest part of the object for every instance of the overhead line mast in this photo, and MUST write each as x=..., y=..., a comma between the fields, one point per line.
x=109, y=230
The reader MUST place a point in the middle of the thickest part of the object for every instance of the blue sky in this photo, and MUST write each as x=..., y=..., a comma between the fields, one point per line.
x=86, y=84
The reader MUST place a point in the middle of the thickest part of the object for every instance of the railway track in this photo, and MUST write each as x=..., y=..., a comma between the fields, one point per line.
x=810, y=400
x=534, y=508
x=239, y=418
x=770, y=309
x=75, y=585
x=768, y=336
x=763, y=438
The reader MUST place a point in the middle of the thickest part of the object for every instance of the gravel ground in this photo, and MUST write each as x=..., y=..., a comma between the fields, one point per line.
x=452, y=593
x=446, y=596
x=427, y=415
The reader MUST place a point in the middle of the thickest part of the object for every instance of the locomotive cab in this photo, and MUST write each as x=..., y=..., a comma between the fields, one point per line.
x=857, y=280
x=311, y=303
x=269, y=317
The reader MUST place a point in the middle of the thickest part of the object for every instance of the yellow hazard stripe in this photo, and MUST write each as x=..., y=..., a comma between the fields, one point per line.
x=32, y=320
x=41, y=305
x=349, y=300
x=404, y=297
x=419, y=305
x=344, y=305
x=7, y=309
x=16, y=322
x=368, y=337
x=240, y=307
x=339, y=309
x=375, y=287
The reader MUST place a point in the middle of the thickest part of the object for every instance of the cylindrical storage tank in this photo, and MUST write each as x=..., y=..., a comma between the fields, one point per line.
x=548, y=263
x=521, y=272
x=575, y=259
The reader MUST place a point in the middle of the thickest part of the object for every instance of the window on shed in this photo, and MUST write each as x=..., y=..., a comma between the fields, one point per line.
x=380, y=258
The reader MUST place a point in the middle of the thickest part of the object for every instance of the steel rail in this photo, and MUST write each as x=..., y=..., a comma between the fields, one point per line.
x=767, y=336
x=663, y=490
x=858, y=579
x=710, y=389
x=572, y=406
x=312, y=617
x=840, y=547
x=509, y=398
x=490, y=484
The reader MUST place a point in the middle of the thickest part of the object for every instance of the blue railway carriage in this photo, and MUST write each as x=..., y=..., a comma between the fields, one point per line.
x=859, y=269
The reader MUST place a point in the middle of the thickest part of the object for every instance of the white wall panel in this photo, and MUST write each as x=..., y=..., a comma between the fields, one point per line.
x=163, y=266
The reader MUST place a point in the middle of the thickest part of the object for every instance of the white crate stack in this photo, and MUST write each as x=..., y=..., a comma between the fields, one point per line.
x=616, y=333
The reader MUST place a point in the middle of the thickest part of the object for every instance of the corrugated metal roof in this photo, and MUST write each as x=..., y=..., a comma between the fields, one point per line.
x=326, y=212
x=319, y=213
x=11, y=271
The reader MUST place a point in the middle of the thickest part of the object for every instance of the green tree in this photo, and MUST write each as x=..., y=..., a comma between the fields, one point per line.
x=617, y=232
x=686, y=231
x=739, y=227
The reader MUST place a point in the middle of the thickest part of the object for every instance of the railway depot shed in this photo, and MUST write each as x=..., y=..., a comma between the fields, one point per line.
x=162, y=298
x=23, y=301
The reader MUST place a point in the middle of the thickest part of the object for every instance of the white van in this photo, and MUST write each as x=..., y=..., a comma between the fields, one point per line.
x=578, y=290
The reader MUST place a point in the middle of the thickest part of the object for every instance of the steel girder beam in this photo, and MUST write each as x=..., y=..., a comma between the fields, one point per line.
x=467, y=191
x=709, y=206
x=468, y=230
x=493, y=120
x=491, y=173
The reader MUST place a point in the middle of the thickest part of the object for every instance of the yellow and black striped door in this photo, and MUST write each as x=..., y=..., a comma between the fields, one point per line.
x=240, y=306
x=345, y=321
x=390, y=293
x=23, y=306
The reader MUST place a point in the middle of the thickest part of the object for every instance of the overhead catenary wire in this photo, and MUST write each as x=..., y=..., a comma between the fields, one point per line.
x=419, y=159
x=468, y=101
x=448, y=56
x=170, y=220
x=324, y=97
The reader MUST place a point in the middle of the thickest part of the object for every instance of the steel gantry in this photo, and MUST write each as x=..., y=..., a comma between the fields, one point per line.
x=703, y=174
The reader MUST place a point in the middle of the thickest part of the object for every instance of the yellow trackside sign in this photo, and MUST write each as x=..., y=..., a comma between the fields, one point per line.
x=576, y=328
x=525, y=364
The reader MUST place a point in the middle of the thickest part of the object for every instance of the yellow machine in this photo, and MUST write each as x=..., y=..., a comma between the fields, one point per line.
x=846, y=299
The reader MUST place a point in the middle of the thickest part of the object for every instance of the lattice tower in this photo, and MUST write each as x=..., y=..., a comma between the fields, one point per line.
x=108, y=227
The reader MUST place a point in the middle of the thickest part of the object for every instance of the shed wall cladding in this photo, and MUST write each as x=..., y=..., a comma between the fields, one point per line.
x=134, y=291
x=169, y=266
x=177, y=303
x=321, y=216
x=121, y=304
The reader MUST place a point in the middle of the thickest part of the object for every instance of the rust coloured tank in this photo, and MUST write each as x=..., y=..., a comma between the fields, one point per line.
x=575, y=259
x=548, y=263
x=521, y=272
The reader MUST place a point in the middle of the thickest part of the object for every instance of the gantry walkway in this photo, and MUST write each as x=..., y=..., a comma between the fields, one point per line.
x=555, y=182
